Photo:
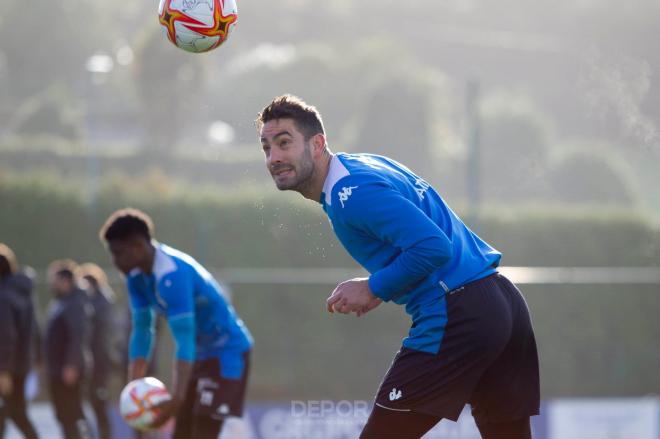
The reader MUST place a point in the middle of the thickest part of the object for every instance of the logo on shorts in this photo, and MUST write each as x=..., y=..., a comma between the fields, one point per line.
x=206, y=383
x=395, y=394
x=223, y=409
x=206, y=398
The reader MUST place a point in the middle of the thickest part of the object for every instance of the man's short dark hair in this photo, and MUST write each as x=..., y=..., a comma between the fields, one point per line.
x=95, y=273
x=306, y=117
x=65, y=268
x=8, y=263
x=125, y=224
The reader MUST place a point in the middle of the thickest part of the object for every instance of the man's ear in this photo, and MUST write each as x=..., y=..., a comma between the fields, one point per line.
x=318, y=142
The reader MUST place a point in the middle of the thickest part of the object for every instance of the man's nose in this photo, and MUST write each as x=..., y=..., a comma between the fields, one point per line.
x=275, y=156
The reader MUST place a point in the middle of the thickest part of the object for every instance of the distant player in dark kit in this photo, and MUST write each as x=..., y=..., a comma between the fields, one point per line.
x=212, y=344
x=471, y=339
x=67, y=342
x=18, y=336
x=102, y=332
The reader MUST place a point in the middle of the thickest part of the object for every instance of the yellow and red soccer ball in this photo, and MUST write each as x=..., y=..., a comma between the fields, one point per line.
x=197, y=25
x=138, y=399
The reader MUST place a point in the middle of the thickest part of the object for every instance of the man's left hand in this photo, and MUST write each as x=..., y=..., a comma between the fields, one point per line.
x=353, y=295
x=6, y=384
x=70, y=375
x=166, y=410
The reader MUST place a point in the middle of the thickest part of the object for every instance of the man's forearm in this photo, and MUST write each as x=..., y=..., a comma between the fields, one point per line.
x=6, y=384
x=181, y=377
x=137, y=368
x=142, y=334
x=9, y=345
x=410, y=267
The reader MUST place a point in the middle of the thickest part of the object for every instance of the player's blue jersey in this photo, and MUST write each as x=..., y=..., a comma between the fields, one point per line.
x=398, y=228
x=203, y=323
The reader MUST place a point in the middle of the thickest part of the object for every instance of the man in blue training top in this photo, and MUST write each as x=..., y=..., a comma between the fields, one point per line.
x=471, y=339
x=212, y=343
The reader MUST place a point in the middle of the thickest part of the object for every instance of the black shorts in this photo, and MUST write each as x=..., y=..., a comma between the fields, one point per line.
x=210, y=394
x=487, y=358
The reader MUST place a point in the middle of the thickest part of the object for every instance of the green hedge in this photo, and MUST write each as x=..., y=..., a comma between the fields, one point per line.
x=593, y=340
x=260, y=227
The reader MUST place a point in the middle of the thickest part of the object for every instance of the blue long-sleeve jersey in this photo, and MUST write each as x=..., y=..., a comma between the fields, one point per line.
x=398, y=228
x=203, y=324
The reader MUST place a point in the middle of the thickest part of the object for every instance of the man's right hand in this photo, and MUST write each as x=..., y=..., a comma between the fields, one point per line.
x=137, y=369
x=70, y=375
x=371, y=305
x=6, y=384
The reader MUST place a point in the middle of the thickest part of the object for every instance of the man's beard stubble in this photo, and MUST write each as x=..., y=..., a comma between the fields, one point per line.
x=303, y=174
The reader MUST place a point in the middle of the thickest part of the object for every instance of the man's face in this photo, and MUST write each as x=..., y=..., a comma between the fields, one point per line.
x=288, y=156
x=92, y=282
x=126, y=254
x=60, y=284
x=5, y=269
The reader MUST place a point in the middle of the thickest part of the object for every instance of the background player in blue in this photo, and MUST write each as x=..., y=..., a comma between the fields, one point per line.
x=212, y=343
x=471, y=339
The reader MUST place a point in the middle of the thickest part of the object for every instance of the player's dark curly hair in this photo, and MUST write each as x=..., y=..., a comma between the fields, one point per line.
x=127, y=223
x=306, y=117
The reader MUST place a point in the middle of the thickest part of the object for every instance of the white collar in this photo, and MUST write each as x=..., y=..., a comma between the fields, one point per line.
x=336, y=171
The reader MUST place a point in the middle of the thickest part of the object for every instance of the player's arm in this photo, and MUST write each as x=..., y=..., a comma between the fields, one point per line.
x=75, y=318
x=183, y=332
x=177, y=290
x=142, y=332
x=382, y=212
x=7, y=347
x=27, y=276
x=140, y=342
x=35, y=337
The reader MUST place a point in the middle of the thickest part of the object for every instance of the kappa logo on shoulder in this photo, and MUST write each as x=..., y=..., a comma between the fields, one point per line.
x=344, y=193
x=395, y=394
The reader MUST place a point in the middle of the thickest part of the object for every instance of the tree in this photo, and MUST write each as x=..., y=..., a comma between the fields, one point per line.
x=515, y=142
x=396, y=123
x=586, y=177
x=50, y=42
x=53, y=112
x=167, y=80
